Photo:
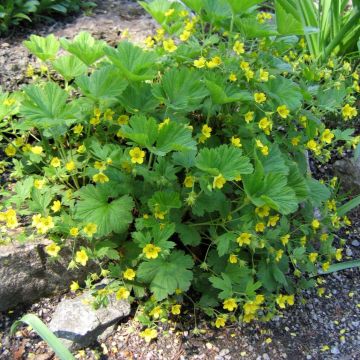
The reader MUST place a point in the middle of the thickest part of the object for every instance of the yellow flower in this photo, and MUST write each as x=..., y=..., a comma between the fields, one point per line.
x=348, y=112
x=176, y=309
x=219, y=182
x=262, y=211
x=189, y=181
x=263, y=148
x=283, y=111
x=156, y=312
x=315, y=224
x=29, y=71
x=249, y=116
x=259, y=299
x=185, y=35
x=265, y=124
x=100, y=165
x=81, y=257
x=95, y=121
x=108, y=114
x=244, y=239
x=137, y=155
x=74, y=286
x=313, y=146
x=37, y=150
x=169, y=12
x=169, y=45
x=273, y=220
x=81, y=149
x=200, y=63
x=230, y=304
x=285, y=239
x=56, y=206
x=278, y=255
x=159, y=214
x=282, y=300
x=19, y=141
x=295, y=141
x=235, y=141
x=338, y=254
x=52, y=249
x=239, y=47
x=250, y=307
x=326, y=266
x=159, y=34
x=148, y=334
x=206, y=130
x=123, y=293
x=232, y=77
x=39, y=184
x=74, y=231
x=123, y=120
x=55, y=162
x=77, y=129
x=245, y=65
x=313, y=256
x=129, y=274
x=151, y=251
x=220, y=321
x=100, y=178
x=259, y=98
x=149, y=42
x=214, y=62
x=324, y=236
x=90, y=229
x=327, y=136
x=249, y=74
x=70, y=165
x=233, y=259
x=263, y=75
x=10, y=150
x=260, y=227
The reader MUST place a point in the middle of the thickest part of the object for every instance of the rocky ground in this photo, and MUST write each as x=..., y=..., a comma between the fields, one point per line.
x=317, y=327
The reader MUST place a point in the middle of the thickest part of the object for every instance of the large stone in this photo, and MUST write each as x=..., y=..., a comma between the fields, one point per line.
x=27, y=273
x=348, y=171
x=78, y=324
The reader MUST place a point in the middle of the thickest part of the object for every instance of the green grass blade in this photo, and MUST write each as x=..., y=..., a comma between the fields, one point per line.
x=30, y=319
x=352, y=204
x=342, y=266
x=309, y=18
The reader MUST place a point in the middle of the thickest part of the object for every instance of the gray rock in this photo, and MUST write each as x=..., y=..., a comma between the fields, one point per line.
x=355, y=243
x=224, y=352
x=28, y=274
x=334, y=350
x=78, y=324
x=348, y=252
x=348, y=171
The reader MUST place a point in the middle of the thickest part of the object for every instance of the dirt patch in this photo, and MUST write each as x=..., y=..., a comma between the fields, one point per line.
x=107, y=21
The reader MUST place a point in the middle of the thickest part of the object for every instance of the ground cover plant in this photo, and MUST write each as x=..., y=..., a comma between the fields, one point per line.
x=13, y=12
x=182, y=167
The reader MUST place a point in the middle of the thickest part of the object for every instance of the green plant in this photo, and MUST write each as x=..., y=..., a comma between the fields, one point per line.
x=184, y=164
x=12, y=12
x=334, y=25
x=32, y=320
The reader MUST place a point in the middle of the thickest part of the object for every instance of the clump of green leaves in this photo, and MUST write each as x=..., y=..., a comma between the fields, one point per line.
x=13, y=12
x=184, y=163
